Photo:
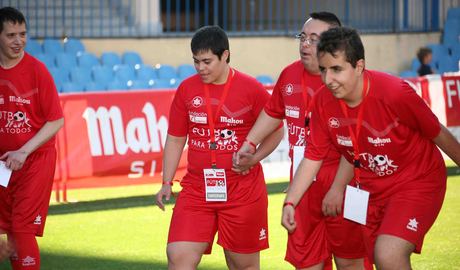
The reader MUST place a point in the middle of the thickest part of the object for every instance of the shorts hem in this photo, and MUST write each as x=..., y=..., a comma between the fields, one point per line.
x=298, y=264
x=244, y=251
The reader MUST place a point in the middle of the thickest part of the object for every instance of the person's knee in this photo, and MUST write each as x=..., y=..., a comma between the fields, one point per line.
x=392, y=252
x=349, y=264
x=238, y=261
x=183, y=256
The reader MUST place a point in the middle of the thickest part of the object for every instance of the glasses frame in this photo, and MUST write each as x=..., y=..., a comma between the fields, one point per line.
x=305, y=39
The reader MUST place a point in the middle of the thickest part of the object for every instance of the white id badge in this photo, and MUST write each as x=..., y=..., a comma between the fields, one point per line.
x=355, y=206
x=298, y=154
x=5, y=174
x=216, y=185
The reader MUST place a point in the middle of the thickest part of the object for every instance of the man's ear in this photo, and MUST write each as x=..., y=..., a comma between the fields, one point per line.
x=360, y=66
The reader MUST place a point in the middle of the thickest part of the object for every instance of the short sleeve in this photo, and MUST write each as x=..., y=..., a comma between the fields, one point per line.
x=178, y=120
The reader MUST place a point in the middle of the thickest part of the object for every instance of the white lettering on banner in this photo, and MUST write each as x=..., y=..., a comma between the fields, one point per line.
x=137, y=169
x=451, y=92
x=107, y=125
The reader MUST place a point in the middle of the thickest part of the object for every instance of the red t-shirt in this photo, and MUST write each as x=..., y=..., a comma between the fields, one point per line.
x=287, y=101
x=395, y=138
x=188, y=117
x=28, y=99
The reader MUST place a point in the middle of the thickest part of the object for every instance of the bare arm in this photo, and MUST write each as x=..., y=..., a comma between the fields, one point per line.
x=448, y=144
x=171, y=157
x=15, y=159
x=264, y=126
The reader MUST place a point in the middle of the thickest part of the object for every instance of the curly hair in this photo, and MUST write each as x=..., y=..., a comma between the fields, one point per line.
x=342, y=39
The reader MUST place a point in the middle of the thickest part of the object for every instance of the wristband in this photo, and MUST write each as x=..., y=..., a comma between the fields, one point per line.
x=168, y=183
x=251, y=144
x=288, y=203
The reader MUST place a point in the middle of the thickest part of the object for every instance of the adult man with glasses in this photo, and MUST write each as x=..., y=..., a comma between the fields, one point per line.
x=315, y=237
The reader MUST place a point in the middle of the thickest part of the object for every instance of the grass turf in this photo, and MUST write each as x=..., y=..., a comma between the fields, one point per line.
x=120, y=228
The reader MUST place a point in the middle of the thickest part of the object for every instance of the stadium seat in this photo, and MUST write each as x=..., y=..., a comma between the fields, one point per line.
x=52, y=46
x=451, y=33
x=447, y=64
x=69, y=87
x=408, y=74
x=185, y=71
x=264, y=79
x=166, y=72
x=47, y=59
x=146, y=72
x=131, y=58
x=124, y=72
x=162, y=84
x=33, y=47
x=80, y=75
x=60, y=75
x=116, y=85
x=175, y=82
x=141, y=84
x=73, y=46
x=93, y=86
x=66, y=60
x=103, y=74
x=453, y=13
x=439, y=51
x=87, y=60
x=415, y=64
x=110, y=59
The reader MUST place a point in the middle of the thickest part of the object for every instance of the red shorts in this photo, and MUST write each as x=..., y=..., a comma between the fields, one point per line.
x=24, y=203
x=317, y=237
x=408, y=211
x=241, y=221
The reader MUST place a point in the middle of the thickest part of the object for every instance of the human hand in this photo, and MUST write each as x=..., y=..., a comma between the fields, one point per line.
x=165, y=192
x=6, y=248
x=14, y=160
x=288, y=218
x=243, y=162
x=332, y=202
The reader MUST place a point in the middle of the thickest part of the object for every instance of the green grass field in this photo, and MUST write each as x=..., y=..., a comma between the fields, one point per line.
x=120, y=228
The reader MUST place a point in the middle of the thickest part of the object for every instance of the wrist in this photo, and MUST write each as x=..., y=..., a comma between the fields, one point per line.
x=288, y=204
x=168, y=183
x=251, y=144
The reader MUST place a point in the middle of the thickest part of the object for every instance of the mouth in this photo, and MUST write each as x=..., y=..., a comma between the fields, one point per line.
x=16, y=49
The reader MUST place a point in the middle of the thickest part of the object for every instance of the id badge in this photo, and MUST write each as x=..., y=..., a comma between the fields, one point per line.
x=355, y=206
x=298, y=154
x=216, y=185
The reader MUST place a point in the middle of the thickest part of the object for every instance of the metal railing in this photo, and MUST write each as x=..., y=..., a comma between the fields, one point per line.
x=170, y=18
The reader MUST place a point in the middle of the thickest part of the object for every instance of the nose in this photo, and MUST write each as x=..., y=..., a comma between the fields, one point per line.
x=326, y=76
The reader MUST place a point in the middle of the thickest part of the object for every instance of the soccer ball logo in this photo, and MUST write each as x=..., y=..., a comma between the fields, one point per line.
x=197, y=101
x=19, y=120
x=226, y=136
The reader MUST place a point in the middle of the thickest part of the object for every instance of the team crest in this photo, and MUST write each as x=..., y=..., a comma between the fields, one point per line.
x=197, y=101
x=334, y=122
x=289, y=89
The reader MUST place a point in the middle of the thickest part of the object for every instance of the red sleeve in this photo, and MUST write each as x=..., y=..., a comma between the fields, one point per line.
x=178, y=119
x=318, y=139
x=275, y=106
x=48, y=95
x=261, y=99
x=414, y=112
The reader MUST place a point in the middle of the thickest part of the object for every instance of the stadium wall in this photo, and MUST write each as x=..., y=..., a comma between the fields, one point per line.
x=267, y=55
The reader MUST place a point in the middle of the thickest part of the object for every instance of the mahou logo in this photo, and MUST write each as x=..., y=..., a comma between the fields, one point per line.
x=107, y=132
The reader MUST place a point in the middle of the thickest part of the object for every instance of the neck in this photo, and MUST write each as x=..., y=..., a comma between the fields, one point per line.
x=312, y=69
x=356, y=97
x=223, y=77
x=7, y=63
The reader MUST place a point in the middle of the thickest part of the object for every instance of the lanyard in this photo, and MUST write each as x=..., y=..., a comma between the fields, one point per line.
x=211, y=118
x=305, y=96
x=354, y=136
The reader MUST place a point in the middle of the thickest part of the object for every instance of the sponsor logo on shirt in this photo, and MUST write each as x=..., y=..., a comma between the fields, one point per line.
x=289, y=89
x=225, y=139
x=199, y=118
x=16, y=123
x=2, y=100
x=334, y=122
x=292, y=111
x=28, y=261
x=378, y=141
x=296, y=131
x=197, y=101
x=344, y=140
x=231, y=121
x=379, y=164
x=19, y=100
x=262, y=234
x=412, y=225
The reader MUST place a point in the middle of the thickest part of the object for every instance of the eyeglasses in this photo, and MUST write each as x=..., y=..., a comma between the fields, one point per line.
x=310, y=41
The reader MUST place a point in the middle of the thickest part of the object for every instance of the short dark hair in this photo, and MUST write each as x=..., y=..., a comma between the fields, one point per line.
x=10, y=14
x=344, y=39
x=423, y=52
x=210, y=38
x=326, y=17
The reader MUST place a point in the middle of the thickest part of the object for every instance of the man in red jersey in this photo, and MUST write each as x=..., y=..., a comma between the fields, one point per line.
x=214, y=110
x=30, y=116
x=316, y=237
x=387, y=137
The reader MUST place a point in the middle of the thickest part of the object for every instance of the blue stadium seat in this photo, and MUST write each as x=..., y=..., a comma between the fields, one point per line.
x=408, y=74
x=73, y=46
x=33, y=47
x=52, y=46
x=415, y=64
x=451, y=33
x=110, y=59
x=185, y=71
x=162, y=84
x=131, y=58
x=87, y=60
x=80, y=75
x=175, y=82
x=453, y=13
x=47, y=59
x=439, y=51
x=140, y=84
x=166, y=72
x=447, y=64
x=103, y=74
x=264, y=79
x=69, y=87
x=66, y=60
x=60, y=75
x=124, y=72
x=146, y=72
x=94, y=86
x=116, y=85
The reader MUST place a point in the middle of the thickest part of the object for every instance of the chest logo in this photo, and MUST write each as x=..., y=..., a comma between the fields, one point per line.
x=334, y=122
x=197, y=101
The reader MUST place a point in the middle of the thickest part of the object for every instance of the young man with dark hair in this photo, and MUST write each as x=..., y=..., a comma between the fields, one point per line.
x=214, y=110
x=388, y=140
x=315, y=237
x=425, y=55
x=30, y=116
